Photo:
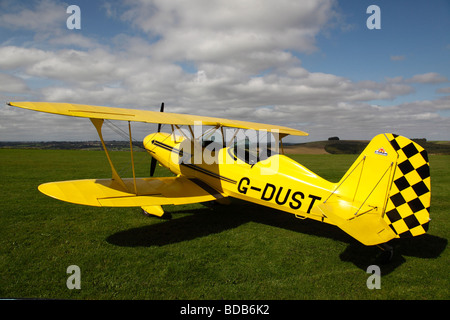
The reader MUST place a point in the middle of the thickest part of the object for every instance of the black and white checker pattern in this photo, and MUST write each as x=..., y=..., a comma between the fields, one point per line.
x=408, y=206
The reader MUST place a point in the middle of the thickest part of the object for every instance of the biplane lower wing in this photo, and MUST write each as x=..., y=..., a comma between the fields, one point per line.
x=150, y=192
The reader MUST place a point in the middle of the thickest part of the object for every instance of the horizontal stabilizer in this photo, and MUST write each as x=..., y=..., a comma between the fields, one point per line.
x=367, y=226
x=150, y=192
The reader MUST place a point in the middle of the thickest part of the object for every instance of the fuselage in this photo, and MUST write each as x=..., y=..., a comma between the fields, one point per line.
x=274, y=180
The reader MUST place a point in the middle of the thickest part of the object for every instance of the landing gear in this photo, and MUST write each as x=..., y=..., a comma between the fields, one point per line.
x=387, y=254
x=163, y=215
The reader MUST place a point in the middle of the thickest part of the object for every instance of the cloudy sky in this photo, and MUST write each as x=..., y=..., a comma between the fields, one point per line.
x=313, y=65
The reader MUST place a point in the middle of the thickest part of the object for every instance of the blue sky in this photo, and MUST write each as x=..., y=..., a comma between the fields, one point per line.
x=417, y=36
x=412, y=40
x=311, y=65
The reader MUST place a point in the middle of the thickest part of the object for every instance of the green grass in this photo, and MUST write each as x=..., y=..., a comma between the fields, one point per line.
x=239, y=251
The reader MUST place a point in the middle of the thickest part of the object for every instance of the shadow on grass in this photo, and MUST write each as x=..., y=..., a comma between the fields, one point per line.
x=215, y=219
x=426, y=246
x=218, y=218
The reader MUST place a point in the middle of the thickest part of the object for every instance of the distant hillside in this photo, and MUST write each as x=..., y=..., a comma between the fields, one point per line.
x=357, y=146
x=317, y=147
x=71, y=145
x=435, y=147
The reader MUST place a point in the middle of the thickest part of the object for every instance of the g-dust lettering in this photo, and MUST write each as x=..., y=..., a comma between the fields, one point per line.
x=280, y=195
x=296, y=203
x=243, y=189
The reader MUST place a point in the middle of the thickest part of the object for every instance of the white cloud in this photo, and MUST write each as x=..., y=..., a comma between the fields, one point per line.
x=73, y=39
x=12, y=57
x=443, y=90
x=397, y=58
x=45, y=15
x=12, y=84
x=430, y=77
x=290, y=96
x=218, y=31
x=236, y=60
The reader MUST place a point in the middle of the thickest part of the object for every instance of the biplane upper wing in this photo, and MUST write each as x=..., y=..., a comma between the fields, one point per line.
x=97, y=112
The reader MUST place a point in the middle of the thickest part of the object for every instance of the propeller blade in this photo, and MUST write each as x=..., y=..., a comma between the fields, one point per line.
x=152, y=167
x=161, y=110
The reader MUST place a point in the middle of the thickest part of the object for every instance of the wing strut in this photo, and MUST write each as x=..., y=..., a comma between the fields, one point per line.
x=132, y=158
x=98, y=123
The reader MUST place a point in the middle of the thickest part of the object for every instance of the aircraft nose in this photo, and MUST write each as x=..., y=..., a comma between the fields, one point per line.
x=148, y=141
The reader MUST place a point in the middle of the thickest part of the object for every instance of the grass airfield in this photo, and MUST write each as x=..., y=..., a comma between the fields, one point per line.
x=206, y=251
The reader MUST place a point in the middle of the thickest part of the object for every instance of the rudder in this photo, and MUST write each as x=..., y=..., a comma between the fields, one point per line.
x=385, y=194
x=408, y=207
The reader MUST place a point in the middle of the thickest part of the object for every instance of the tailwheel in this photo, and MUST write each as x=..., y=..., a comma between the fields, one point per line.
x=156, y=211
x=387, y=254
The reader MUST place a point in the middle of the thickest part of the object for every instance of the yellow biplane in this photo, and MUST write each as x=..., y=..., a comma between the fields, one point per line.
x=384, y=195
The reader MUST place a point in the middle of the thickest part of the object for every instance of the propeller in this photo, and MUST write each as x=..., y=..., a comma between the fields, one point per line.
x=154, y=161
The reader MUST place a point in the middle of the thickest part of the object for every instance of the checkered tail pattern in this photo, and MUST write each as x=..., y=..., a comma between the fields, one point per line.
x=408, y=206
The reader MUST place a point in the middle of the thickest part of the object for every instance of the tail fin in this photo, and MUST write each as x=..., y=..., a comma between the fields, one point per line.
x=408, y=208
x=385, y=194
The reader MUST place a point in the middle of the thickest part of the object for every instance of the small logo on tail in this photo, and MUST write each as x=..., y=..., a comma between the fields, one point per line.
x=381, y=151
